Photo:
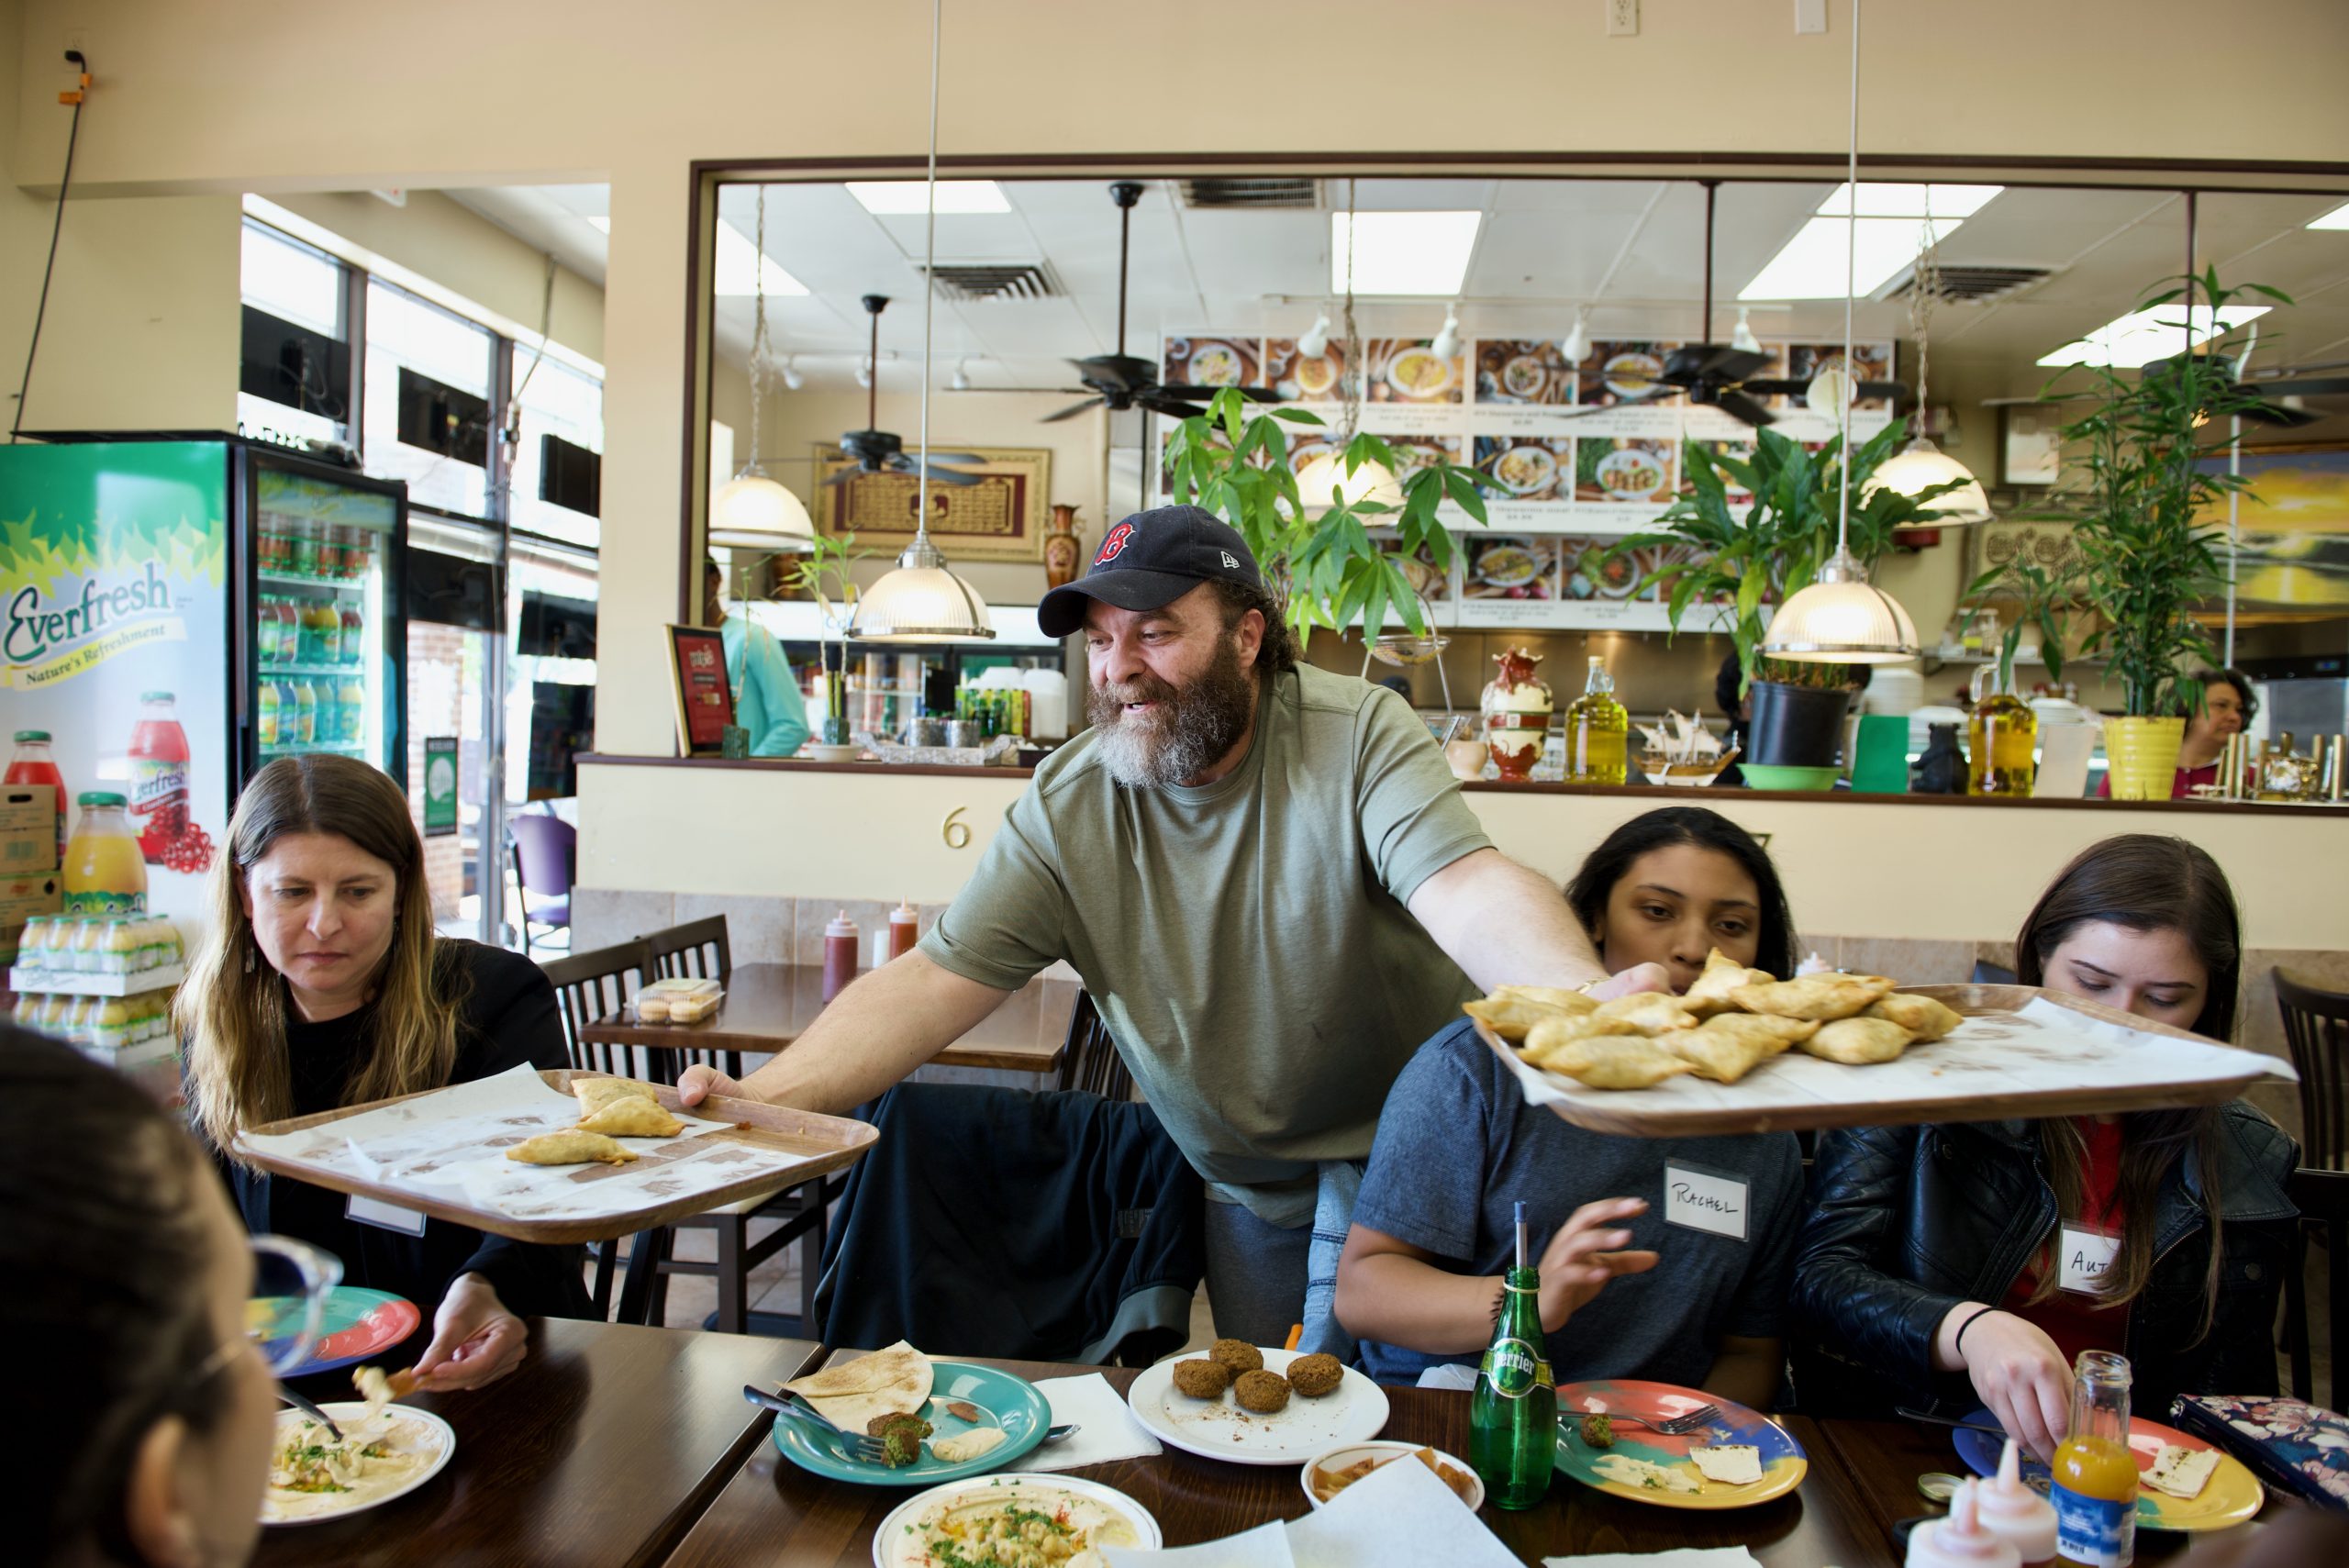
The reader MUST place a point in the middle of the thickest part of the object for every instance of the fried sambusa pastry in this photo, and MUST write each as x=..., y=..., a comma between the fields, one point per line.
x=1615, y=1061
x=1554, y=1033
x=1728, y=1045
x=594, y=1093
x=1723, y=974
x=569, y=1148
x=1820, y=997
x=633, y=1118
x=1649, y=1012
x=1545, y=996
x=1513, y=1017
x=1857, y=1042
x=1925, y=1019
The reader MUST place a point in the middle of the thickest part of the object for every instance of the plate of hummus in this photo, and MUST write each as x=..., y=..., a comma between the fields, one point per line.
x=384, y=1452
x=1012, y=1521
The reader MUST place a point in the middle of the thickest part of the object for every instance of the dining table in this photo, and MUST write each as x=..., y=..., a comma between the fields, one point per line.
x=598, y=1451
x=768, y=1006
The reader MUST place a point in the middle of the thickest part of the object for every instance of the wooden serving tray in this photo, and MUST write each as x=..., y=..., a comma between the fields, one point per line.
x=1994, y=1076
x=831, y=1142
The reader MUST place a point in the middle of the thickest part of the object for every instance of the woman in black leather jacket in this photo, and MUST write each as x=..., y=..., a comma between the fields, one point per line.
x=1921, y=1273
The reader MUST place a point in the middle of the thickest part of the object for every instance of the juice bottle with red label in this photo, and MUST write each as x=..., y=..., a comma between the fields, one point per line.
x=32, y=764
x=105, y=872
x=158, y=781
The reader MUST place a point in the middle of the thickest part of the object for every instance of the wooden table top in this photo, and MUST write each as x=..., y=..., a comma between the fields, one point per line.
x=768, y=1006
x=597, y=1452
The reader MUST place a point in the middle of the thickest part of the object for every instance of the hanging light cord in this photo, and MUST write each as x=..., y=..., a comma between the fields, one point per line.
x=759, y=351
x=1355, y=367
x=929, y=287
x=1851, y=271
x=1924, y=293
x=57, y=225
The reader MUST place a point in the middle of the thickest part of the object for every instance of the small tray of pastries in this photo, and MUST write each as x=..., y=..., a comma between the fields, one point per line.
x=677, y=1001
x=1743, y=1051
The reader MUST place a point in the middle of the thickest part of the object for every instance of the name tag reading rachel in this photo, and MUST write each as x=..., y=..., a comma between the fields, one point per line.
x=1697, y=1198
x=384, y=1215
x=2087, y=1255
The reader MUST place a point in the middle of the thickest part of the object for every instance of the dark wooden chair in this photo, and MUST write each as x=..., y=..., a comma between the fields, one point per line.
x=2316, y=1027
x=2322, y=1198
x=1089, y=1060
x=588, y=986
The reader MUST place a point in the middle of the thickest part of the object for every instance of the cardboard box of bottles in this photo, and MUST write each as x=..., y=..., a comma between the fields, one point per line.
x=27, y=831
x=22, y=897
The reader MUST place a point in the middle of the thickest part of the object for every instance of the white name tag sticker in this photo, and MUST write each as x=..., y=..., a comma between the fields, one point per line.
x=1698, y=1198
x=384, y=1215
x=2088, y=1254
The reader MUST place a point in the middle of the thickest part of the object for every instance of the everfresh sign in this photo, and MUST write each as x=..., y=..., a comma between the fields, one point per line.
x=39, y=626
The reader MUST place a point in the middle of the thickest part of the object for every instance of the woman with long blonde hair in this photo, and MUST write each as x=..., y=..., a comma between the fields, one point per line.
x=321, y=983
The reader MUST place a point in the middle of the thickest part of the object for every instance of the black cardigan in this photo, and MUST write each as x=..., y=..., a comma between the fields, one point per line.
x=506, y=1017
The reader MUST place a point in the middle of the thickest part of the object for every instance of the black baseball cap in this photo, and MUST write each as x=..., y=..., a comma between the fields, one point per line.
x=1148, y=562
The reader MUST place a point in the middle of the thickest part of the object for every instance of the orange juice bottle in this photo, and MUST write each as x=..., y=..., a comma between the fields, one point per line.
x=106, y=874
x=2096, y=1475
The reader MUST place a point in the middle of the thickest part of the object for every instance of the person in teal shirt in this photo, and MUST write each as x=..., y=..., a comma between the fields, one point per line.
x=766, y=696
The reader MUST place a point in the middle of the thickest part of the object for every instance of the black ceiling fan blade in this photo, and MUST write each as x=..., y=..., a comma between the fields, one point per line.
x=1739, y=407
x=2300, y=386
x=934, y=457
x=1773, y=386
x=1120, y=372
x=1881, y=389
x=1072, y=412
x=1669, y=392
x=1028, y=390
x=1201, y=394
x=2281, y=418
x=1711, y=361
x=1169, y=406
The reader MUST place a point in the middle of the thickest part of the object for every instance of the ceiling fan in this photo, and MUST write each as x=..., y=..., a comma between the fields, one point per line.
x=1719, y=375
x=2273, y=383
x=884, y=451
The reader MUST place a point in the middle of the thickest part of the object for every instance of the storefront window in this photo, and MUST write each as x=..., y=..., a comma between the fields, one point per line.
x=407, y=333
x=294, y=283
x=558, y=401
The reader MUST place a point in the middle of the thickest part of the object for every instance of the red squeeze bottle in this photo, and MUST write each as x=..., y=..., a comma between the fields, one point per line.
x=840, y=954
x=905, y=930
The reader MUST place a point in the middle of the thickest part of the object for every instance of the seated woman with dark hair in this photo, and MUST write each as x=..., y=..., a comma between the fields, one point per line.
x=144, y=1412
x=1974, y=1261
x=1636, y=1280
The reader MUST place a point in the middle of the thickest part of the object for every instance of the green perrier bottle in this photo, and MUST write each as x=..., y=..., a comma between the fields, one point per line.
x=1513, y=1424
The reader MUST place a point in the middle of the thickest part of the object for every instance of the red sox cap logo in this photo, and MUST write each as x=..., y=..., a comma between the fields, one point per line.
x=1112, y=547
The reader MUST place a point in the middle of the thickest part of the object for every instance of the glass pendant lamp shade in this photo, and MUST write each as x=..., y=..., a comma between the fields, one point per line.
x=1842, y=619
x=1371, y=481
x=754, y=512
x=920, y=601
x=1920, y=465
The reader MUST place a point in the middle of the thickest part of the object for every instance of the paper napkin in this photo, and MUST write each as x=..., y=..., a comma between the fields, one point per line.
x=1683, y=1557
x=1107, y=1430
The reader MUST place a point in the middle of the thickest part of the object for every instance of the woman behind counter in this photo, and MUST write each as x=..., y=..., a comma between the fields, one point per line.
x=322, y=983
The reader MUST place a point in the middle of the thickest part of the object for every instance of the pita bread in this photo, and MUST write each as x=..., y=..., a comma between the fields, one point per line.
x=594, y=1093
x=892, y=1381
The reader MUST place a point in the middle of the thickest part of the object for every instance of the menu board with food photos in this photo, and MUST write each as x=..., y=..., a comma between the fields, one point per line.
x=1571, y=456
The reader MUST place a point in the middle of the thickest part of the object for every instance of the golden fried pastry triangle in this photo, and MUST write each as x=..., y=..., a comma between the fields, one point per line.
x=1821, y=996
x=571, y=1147
x=633, y=1118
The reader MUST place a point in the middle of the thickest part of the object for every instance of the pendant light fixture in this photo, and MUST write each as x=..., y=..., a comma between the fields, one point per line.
x=1920, y=464
x=1374, y=481
x=1842, y=617
x=921, y=601
x=752, y=511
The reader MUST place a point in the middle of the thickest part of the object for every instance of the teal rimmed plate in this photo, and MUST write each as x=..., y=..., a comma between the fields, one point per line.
x=1012, y=1403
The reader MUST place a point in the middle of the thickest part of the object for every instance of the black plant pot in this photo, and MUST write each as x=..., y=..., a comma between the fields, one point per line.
x=1795, y=727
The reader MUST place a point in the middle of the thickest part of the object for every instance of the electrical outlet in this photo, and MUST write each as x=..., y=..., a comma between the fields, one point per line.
x=1622, y=19
x=1810, y=16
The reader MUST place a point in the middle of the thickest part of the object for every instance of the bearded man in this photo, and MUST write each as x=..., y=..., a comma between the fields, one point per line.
x=1266, y=877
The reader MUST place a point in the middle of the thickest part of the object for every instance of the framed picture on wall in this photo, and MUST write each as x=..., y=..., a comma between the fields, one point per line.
x=2030, y=445
x=2292, y=526
x=1002, y=518
x=704, y=700
x=2038, y=542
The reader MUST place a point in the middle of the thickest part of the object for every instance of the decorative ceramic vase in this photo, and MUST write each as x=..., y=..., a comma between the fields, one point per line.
x=1515, y=709
x=1062, y=548
x=2141, y=755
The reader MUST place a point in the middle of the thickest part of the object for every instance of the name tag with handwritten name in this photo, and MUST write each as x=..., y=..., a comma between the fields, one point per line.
x=384, y=1215
x=2087, y=1255
x=1697, y=1198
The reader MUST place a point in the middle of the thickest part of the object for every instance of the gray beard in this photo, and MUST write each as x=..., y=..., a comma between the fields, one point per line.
x=1189, y=732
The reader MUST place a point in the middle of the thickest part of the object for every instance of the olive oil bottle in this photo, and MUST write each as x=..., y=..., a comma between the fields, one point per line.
x=1597, y=730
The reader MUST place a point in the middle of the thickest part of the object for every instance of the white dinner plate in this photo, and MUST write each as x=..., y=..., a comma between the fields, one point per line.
x=896, y=1545
x=1219, y=1428
x=342, y=1413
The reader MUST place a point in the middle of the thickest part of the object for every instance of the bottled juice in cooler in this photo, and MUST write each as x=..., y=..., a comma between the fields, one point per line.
x=105, y=872
x=32, y=764
x=118, y=948
x=289, y=629
x=302, y=547
x=351, y=705
x=306, y=715
x=354, y=632
x=158, y=776
x=265, y=715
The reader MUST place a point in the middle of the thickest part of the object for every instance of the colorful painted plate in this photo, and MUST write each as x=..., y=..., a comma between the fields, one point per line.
x=358, y=1325
x=1012, y=1403
x=1784, y=1463
x=2232, y=1495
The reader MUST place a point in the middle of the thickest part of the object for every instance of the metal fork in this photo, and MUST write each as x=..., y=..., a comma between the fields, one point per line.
x=1672, y=1427
x=856, y=1445
x=309, y=1408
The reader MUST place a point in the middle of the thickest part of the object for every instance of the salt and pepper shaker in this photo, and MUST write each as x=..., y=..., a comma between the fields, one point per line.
x=840, y=954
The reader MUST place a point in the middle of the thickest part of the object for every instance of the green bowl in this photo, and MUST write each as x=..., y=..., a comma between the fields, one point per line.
x=1761, y=777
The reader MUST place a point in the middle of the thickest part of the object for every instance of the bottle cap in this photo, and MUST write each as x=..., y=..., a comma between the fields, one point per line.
x=157, y=696
x=32, y=735
x=841, y=925
x=101, y=797
x=1959, y=1540
x=2014, y=1513
x=903, y=910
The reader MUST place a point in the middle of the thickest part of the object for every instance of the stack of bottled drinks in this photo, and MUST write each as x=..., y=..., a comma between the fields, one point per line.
x=93, y=982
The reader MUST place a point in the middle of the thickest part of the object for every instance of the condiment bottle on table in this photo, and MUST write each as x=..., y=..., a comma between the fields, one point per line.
x=2016, y=1514
x=1961, y=1541
x=1513, y=1419
x=905, y=930
x=840, y=954
x=2095, y=1493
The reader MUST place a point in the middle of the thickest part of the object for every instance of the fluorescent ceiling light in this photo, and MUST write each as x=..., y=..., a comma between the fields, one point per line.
x=742, y=269
x=2143, y=336
x=890, y=198
x=1891, y=235
x=603, y=224
x=2337, y=218
x=1403, y=252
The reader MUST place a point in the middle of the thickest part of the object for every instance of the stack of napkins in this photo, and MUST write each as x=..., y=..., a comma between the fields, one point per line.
x=1106, y=1429
x=1400, y=1516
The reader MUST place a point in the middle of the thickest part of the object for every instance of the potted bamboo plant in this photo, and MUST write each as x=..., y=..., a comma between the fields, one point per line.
x=2137, y=490
x=1751, y=555
x=822, y=573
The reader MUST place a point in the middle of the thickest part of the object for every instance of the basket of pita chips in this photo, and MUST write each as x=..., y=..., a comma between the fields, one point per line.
x=1743, y=1051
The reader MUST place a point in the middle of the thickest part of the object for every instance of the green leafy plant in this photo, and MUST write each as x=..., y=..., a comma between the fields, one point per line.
x=1806, y=673
x=2043, y=595
x=1327, y=569
x=1773, y=548
x=823, y=573
x=2137, y=492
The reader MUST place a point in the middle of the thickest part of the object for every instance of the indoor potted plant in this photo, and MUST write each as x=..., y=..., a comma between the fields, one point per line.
x=822, y=573
x=2138, y=491
x=2003, y=730
x=1749, y=556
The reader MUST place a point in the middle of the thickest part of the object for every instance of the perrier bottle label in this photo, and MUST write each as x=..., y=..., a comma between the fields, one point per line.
x=1513, y=1416
x=1515, y=1368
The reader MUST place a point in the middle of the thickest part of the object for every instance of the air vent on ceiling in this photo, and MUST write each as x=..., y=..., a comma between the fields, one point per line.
x=1973, y=285
x=1284, y=191
x=996, y=280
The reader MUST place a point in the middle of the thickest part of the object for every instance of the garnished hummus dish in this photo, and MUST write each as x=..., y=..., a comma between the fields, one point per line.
x=314, y=1475
x=1012, y=1525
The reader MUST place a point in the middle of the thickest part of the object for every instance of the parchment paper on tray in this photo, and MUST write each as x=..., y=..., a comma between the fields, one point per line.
x=444, y=1154
x=2021, y=1053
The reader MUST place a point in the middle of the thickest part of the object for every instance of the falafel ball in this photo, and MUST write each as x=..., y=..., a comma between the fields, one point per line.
x=1266, y=1393
x=1237, y=1356
x=1315, y=1374
x=1202, y=1379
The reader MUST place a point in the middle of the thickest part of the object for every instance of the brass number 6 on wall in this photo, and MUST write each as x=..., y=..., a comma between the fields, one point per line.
x=955, y=831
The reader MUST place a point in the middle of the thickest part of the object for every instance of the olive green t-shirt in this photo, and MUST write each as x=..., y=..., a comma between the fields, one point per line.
x=1246, y=941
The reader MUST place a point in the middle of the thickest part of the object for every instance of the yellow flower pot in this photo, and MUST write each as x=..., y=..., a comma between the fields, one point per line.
x=2142, y=756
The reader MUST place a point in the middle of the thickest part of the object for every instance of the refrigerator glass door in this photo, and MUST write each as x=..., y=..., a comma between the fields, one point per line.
x=323, y=677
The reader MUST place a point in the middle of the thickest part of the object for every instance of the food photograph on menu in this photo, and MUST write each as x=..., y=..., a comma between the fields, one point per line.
x=1407, y=369
x=1623, y=371
x=1526, y=468
x=1303, y=378
x=1213, y=362
x=1514, y=370
x=1512, y=566
x=1626, y=470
